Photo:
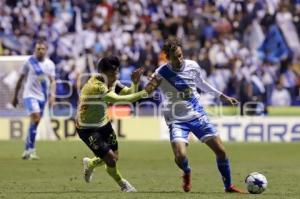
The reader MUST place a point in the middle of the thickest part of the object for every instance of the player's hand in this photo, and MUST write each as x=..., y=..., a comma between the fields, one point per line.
x=153, y=84
x=136, y=75
x=230, y=100
x=15, y=102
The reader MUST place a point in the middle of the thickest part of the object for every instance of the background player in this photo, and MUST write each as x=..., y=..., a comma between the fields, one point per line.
x=40, y=82
x=92, y=122
x=184, y=113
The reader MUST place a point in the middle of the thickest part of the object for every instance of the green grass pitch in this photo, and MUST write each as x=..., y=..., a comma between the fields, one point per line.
x=149, y=166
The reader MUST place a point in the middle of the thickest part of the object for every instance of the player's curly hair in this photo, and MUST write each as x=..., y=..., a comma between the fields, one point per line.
x=110, y=63
x=170, y=45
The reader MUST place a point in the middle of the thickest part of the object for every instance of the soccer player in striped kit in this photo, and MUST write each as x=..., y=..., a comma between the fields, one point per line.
x=184, y=113
x=39, y=72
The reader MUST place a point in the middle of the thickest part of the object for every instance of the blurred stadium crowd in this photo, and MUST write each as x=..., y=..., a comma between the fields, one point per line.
x=249, y=49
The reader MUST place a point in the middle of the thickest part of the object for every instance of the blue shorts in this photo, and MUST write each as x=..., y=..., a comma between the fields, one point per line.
x=200, y=127
x=33, y=105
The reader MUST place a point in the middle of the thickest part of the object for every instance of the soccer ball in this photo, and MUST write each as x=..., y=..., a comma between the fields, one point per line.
x=256, y=183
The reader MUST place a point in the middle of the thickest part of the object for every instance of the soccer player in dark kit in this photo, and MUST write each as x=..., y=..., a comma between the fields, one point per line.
x=92, y=123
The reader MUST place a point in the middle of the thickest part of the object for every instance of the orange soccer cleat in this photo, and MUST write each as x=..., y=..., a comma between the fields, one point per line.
x=234, y=189
x=187, y=184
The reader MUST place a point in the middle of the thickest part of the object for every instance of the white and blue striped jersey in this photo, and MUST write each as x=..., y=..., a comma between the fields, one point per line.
x=181, y=101
x=38, y=73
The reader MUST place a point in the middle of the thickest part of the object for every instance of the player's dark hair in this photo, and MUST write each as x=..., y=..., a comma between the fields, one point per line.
x=171, y=45
x=41, y=40
x=110, y=63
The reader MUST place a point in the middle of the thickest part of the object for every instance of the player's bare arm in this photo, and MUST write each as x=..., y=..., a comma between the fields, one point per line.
x=18, y=87
x=230, y=100
x=52, y=91
x=153, y=83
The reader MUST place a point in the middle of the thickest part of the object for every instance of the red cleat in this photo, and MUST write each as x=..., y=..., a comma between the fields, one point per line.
x=187, y=185
x=234, y=189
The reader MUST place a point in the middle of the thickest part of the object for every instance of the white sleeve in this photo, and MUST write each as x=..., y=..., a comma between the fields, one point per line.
x=156, y=72
x=25, y=68
x=52, y=69
x=204, y=85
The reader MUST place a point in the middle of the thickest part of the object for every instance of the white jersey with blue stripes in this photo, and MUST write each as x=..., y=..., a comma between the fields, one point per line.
x=181, y=100
x=33, y=87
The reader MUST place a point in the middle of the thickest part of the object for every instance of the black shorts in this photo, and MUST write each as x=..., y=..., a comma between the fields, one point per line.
x=99, y=140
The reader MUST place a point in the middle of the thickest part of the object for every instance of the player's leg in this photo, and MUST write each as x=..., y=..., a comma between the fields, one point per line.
x=206, y=132
x=33, y=108
x=90, y=137
x=181, y=160
x=216, y=145
x=30, y=152
x=94, y=162
x=103, y=143
x=94, y=140
x=111, y=159
x=179, y=140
